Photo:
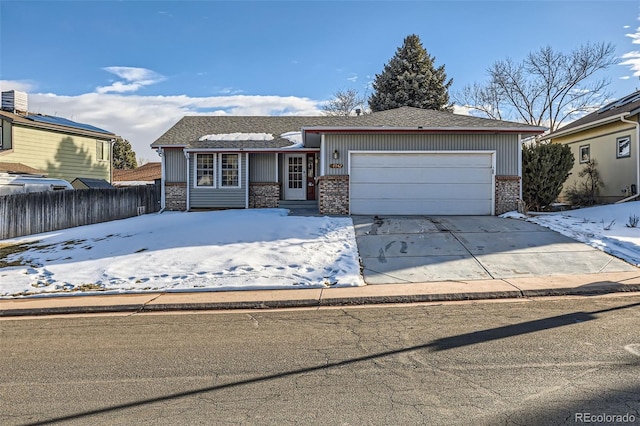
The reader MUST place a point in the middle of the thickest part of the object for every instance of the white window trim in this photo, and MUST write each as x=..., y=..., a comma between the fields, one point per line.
x=626, y=138
x=213, y=175
x=239, y=170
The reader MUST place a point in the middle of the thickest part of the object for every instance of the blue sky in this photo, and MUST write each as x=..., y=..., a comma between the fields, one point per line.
x=136, y=67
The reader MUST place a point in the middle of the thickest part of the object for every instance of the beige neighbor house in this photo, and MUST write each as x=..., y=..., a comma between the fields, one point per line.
x=610, y=137
x=57, y=147
x=398, y=162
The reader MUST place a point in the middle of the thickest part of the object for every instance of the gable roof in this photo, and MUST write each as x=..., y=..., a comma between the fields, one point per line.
x=627, y=105
x=146, y=173
x=188, y=131
x=92, y=182
x=58, y=124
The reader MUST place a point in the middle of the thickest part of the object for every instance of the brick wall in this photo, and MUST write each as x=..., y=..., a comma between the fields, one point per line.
x=507, y=193
x=333, y=194
x=264, y=195
x=175, y=196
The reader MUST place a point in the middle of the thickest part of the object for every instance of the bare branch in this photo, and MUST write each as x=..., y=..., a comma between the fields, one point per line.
x=547, y=88
x=344, y=103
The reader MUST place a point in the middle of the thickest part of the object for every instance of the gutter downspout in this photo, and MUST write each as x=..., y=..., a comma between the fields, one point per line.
x=187, y=156
x=163, y=180
x=520, y=142
x=246, y=174
x=112, y=143
x=637, y=124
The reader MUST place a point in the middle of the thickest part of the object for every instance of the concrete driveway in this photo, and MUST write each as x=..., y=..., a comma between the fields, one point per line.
x=397, y=249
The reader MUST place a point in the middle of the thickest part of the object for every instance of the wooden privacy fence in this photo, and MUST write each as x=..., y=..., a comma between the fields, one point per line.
x=36, y=212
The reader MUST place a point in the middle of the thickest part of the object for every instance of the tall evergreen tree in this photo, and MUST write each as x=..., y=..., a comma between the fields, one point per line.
x=124, y=158
x=411, y=79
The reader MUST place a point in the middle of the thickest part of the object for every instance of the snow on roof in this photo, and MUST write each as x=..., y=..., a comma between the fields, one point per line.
x=294, y=137
x=238, y=137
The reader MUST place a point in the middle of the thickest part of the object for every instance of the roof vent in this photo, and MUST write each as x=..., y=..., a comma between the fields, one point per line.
x=14, y=101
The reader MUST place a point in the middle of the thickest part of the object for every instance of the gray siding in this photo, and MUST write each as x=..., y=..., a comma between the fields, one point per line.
x=175, y=165
x=218, y=197
x=505, y=145
x=262, y=167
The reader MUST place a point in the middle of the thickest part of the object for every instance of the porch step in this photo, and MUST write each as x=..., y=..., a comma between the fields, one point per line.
x=302, y=204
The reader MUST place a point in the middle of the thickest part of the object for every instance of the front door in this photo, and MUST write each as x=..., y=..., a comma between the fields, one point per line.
x=295, y=187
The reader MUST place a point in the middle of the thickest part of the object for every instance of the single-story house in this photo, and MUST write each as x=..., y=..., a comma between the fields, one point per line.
x=610, y=137
x=147, y=174
x=396, y=162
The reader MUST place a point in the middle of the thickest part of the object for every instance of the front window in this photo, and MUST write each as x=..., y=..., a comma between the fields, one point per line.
x=205, y=169
x=230, y=170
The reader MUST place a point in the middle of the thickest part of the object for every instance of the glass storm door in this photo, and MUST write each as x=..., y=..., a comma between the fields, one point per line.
x=295, y=184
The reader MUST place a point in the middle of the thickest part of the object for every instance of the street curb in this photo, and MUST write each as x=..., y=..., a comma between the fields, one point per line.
x=315, y=303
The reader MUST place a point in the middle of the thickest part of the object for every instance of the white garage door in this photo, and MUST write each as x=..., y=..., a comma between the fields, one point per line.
x=408, y=183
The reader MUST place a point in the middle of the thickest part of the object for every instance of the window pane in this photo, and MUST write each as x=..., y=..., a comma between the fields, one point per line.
x=230, y=170
x=204, y=169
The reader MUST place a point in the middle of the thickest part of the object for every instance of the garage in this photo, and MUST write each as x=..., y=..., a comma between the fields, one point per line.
x=421, y=183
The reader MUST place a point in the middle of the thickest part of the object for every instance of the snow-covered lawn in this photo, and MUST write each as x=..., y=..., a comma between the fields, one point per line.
x=221, y=250
x=607, y=228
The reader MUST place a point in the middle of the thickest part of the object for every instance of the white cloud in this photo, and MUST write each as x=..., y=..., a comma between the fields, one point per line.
x=21, y=86
x=134, y=79
x=632, y=59
x=143, y=119
x=462, y=109
x=353, y=78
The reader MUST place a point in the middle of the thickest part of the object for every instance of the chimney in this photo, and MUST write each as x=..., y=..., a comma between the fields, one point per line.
x=15, y=102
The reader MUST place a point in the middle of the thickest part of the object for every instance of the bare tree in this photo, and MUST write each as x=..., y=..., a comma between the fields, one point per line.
x=345, y=103
x=546, y=88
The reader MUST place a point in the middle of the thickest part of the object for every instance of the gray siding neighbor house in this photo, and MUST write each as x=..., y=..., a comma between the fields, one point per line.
x=397, y=162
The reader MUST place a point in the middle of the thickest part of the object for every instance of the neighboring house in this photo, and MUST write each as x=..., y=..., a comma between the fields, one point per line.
x=400, y=161
x=87, y=183
x=20, y=169
x=610, y=137
x=58, y=147
x=147, y=174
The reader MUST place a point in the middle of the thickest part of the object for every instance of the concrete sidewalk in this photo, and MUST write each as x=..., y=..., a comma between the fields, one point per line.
x=558, y=285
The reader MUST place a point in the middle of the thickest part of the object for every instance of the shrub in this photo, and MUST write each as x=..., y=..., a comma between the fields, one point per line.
x=545, y=168
x=585, y=193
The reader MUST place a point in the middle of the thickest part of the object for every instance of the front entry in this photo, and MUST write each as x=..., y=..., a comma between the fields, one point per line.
x=295, y=187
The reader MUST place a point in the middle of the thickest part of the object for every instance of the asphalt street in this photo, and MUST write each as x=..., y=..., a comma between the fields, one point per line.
x=528, y=362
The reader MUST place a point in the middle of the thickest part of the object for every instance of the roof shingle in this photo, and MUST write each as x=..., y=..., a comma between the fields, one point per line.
x=190, y=129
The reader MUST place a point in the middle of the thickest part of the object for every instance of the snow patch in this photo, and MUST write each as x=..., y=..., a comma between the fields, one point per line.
x=179, y=251
x=237, y=137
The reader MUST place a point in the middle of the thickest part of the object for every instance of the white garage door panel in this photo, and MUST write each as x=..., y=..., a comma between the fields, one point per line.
x=420, y=160
x=408, y=207
x=431, y=192
x=455, y=183
x=424, y=175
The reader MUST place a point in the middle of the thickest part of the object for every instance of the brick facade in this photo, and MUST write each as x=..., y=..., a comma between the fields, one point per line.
x=333, y=194
x=264, y=195
x=507, y=193
x=175, y=196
